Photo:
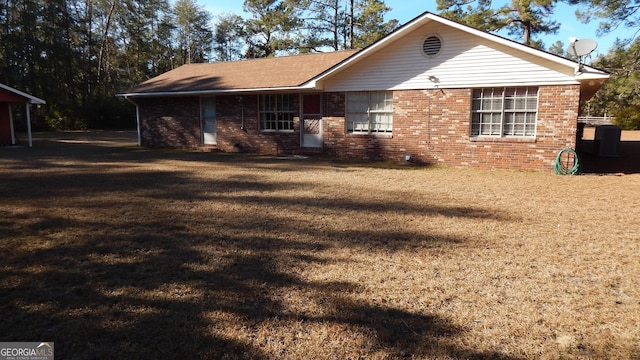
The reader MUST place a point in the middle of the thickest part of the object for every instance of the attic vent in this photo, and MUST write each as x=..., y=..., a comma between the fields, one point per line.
x=431, y=45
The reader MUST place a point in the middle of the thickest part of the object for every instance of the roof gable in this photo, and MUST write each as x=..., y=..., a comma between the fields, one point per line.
x=469, y=58
x=463, y=61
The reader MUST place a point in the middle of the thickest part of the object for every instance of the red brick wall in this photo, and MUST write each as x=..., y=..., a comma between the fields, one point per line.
x=433, y=126
x=238, y=127
x=170, y=122
x=175, y=122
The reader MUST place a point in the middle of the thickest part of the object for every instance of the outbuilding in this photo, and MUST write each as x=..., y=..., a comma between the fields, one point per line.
x=433, y=91
x=9, y=98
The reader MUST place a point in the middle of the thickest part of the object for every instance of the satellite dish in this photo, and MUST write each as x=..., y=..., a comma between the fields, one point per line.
x=582, y=47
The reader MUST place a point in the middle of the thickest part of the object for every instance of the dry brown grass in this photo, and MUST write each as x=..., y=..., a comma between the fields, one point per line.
x=116, y=252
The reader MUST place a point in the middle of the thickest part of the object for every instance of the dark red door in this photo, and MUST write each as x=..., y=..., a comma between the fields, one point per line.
x=5, y=125
x=312, y=120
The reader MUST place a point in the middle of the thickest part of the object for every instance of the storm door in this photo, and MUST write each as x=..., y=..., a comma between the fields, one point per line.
x=208, y=116
x=312, y=121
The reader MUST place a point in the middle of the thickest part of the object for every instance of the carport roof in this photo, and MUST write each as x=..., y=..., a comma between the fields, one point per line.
x=266, y=73
x=21, y=95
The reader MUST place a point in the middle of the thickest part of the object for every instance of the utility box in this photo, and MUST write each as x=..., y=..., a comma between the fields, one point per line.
x=607, y=140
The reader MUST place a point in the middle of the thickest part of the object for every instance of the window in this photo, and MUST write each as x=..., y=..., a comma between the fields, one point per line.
x=370, y=112
x=504, y=112
x=276, y=112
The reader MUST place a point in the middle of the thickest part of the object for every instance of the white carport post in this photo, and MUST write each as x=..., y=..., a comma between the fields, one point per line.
x=28, y=113
x=13, y=131
x=137, y=118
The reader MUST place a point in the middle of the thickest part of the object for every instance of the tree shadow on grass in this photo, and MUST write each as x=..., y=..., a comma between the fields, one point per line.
x=131, y=276
x=143, y=297
x=406, y=334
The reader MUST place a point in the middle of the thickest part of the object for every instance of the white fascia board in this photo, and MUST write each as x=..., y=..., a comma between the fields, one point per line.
x=591, y=74
x=308, y=86
x=32, y=99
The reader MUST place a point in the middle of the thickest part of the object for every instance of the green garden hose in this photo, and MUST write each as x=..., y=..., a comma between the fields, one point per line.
x=567, y=162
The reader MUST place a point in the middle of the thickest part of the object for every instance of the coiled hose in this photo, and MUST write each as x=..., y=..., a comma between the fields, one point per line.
x=567, y=162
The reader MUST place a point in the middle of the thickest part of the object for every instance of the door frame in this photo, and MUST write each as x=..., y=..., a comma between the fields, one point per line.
x=316, y=139
x=205, y=137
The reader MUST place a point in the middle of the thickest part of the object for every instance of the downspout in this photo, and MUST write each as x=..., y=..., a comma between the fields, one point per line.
x=137, y=119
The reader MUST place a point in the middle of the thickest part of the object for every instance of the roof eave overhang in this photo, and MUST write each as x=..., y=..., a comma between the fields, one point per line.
x=590, y=83
x=311, y=85
x=591, y=76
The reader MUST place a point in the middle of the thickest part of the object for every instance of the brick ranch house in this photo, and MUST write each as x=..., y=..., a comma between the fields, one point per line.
x=433, y=90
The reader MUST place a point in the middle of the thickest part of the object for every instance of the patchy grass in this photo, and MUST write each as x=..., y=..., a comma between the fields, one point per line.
x=117, y=252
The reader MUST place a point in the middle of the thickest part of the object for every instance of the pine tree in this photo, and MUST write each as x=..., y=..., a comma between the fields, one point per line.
x=522, y=18
x=369, y=24
x=228, y=37
x=272, y=28
x=194, y=36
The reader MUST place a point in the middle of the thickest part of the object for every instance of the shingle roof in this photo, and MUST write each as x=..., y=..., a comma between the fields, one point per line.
x=277, y=72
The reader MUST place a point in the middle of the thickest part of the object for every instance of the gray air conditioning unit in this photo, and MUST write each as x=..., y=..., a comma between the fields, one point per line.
x=607, y=140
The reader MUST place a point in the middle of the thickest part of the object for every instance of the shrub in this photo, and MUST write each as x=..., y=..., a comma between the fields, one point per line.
x=628, y=118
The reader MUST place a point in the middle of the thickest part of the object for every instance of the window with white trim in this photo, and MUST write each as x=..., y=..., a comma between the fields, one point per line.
x=276, y=112
x=370, y=112
x=504, y=112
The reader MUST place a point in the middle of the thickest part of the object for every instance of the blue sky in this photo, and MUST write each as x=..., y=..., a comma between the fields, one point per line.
x=405, y=10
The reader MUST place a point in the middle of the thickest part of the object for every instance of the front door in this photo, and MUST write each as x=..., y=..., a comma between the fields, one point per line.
x=311, y=121
x=208, y=108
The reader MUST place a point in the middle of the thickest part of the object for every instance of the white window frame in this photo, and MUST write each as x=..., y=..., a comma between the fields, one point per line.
x=276, y=112
x=504, y=112
x=369, y=112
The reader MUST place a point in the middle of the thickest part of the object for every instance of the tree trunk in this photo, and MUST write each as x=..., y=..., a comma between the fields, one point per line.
x=105, y=42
